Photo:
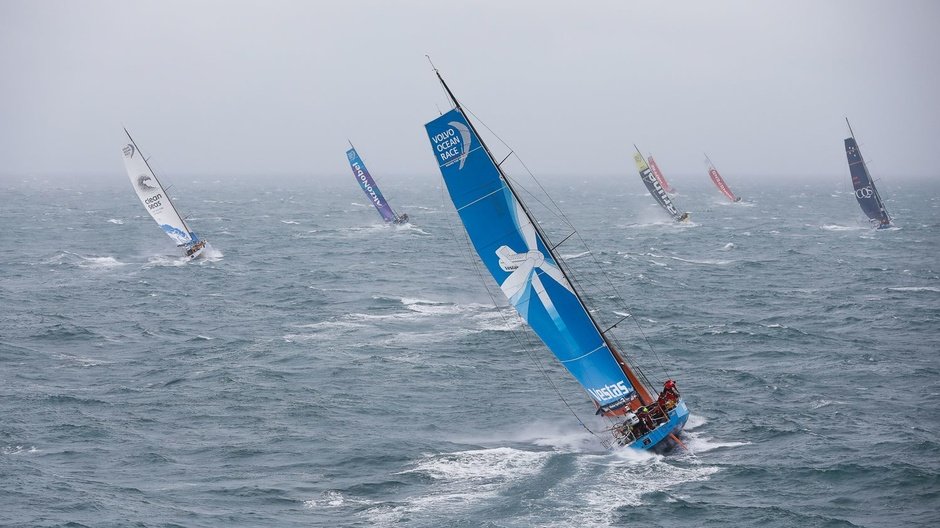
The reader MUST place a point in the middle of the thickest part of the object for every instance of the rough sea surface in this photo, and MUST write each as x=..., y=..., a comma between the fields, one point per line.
x=323, y=369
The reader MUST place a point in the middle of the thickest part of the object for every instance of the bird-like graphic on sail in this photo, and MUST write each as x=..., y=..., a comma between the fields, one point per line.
x=524, y=269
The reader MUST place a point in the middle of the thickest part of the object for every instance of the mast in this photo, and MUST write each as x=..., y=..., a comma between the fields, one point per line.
x=147, y=163
x=642, y=391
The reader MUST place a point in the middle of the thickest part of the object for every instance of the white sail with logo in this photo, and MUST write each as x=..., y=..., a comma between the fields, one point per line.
x=154, y=196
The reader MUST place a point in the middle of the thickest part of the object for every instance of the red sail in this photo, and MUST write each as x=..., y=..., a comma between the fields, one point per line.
x=659, y=176
x=720, y=183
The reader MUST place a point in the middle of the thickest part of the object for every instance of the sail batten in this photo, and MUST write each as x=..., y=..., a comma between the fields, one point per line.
x=520, y=259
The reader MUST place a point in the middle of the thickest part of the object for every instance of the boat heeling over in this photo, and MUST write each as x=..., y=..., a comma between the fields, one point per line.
x=368, y=185
x=869, y=199
x=655, y=189
x=520, y=258
x=157, y=202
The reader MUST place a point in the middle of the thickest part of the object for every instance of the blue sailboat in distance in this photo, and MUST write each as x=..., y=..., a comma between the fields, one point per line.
x=865, y=191
x=517, y=253
x=371, y=189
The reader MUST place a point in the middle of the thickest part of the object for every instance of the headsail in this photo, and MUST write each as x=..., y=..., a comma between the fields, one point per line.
x=154, y=196
x=659, y=175
x=865, y=191
x=719, y=181
x=655, y=189
x=368, y=185
x=516, y=253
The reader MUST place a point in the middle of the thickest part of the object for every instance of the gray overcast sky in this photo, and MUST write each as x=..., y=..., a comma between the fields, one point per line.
x=275, y=87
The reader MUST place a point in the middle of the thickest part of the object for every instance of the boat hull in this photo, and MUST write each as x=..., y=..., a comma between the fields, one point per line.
x=196, y=250
x=654, y=439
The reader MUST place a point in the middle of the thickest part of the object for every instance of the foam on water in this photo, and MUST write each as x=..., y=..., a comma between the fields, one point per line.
x=360, y=375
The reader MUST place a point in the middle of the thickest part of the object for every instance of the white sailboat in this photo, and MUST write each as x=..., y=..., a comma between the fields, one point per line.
x=157, y=202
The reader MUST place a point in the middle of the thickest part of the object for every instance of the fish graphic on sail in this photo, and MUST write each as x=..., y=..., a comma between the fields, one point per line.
x=656, y=189
x=371, y=189
x=719, y=181
x=659, y=175
x=865, y=192
x=157, y=202
x=517, y=254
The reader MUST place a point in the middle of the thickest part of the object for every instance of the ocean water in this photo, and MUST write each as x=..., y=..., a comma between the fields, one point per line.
x=323, y=369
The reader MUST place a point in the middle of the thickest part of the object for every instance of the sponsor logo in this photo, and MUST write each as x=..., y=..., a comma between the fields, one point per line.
x=366, y=186
x=609, y=392
x=154, y=201
x=453, y=143
x=865, y=192
x=647, y=175
x=143, y=183
x=129, y=150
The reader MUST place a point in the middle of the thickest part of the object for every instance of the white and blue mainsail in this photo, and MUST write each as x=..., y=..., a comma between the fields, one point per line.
x=514, y=251
x=154, y=197
x=369, y=187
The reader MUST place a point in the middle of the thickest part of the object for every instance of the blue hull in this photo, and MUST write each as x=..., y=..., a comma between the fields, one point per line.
x=677, y=418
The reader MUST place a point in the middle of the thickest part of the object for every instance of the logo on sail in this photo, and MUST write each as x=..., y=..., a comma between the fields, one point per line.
x=129, y=150
x=143, y=183
x=524, y=276
x=449, y=145
x=864, y=192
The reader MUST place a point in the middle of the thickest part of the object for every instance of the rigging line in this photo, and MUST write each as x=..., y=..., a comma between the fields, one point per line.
x=446, y=97
x=523, y=339
x=556, y=210
x=607, y=278
x=619, y=297
x=561, y=214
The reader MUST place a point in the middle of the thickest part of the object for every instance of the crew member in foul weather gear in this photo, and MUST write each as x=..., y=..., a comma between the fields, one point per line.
x=669, y=397
x=644, y=415
x=628, y=427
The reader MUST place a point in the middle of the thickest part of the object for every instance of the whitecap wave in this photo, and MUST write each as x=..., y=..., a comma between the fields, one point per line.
x=835, y=227
x=99, y=262
x=934, y=289
x=18, y=450
x=699, y=443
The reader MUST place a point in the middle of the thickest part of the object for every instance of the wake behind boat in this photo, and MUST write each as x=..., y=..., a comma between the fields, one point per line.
x=157, y=202
x=657, y=191
x=865, y=192
x=719, y=181
x=371, y=189
x=537, y=283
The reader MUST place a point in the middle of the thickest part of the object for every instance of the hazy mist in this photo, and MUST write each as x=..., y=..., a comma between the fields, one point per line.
x=266, y=89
